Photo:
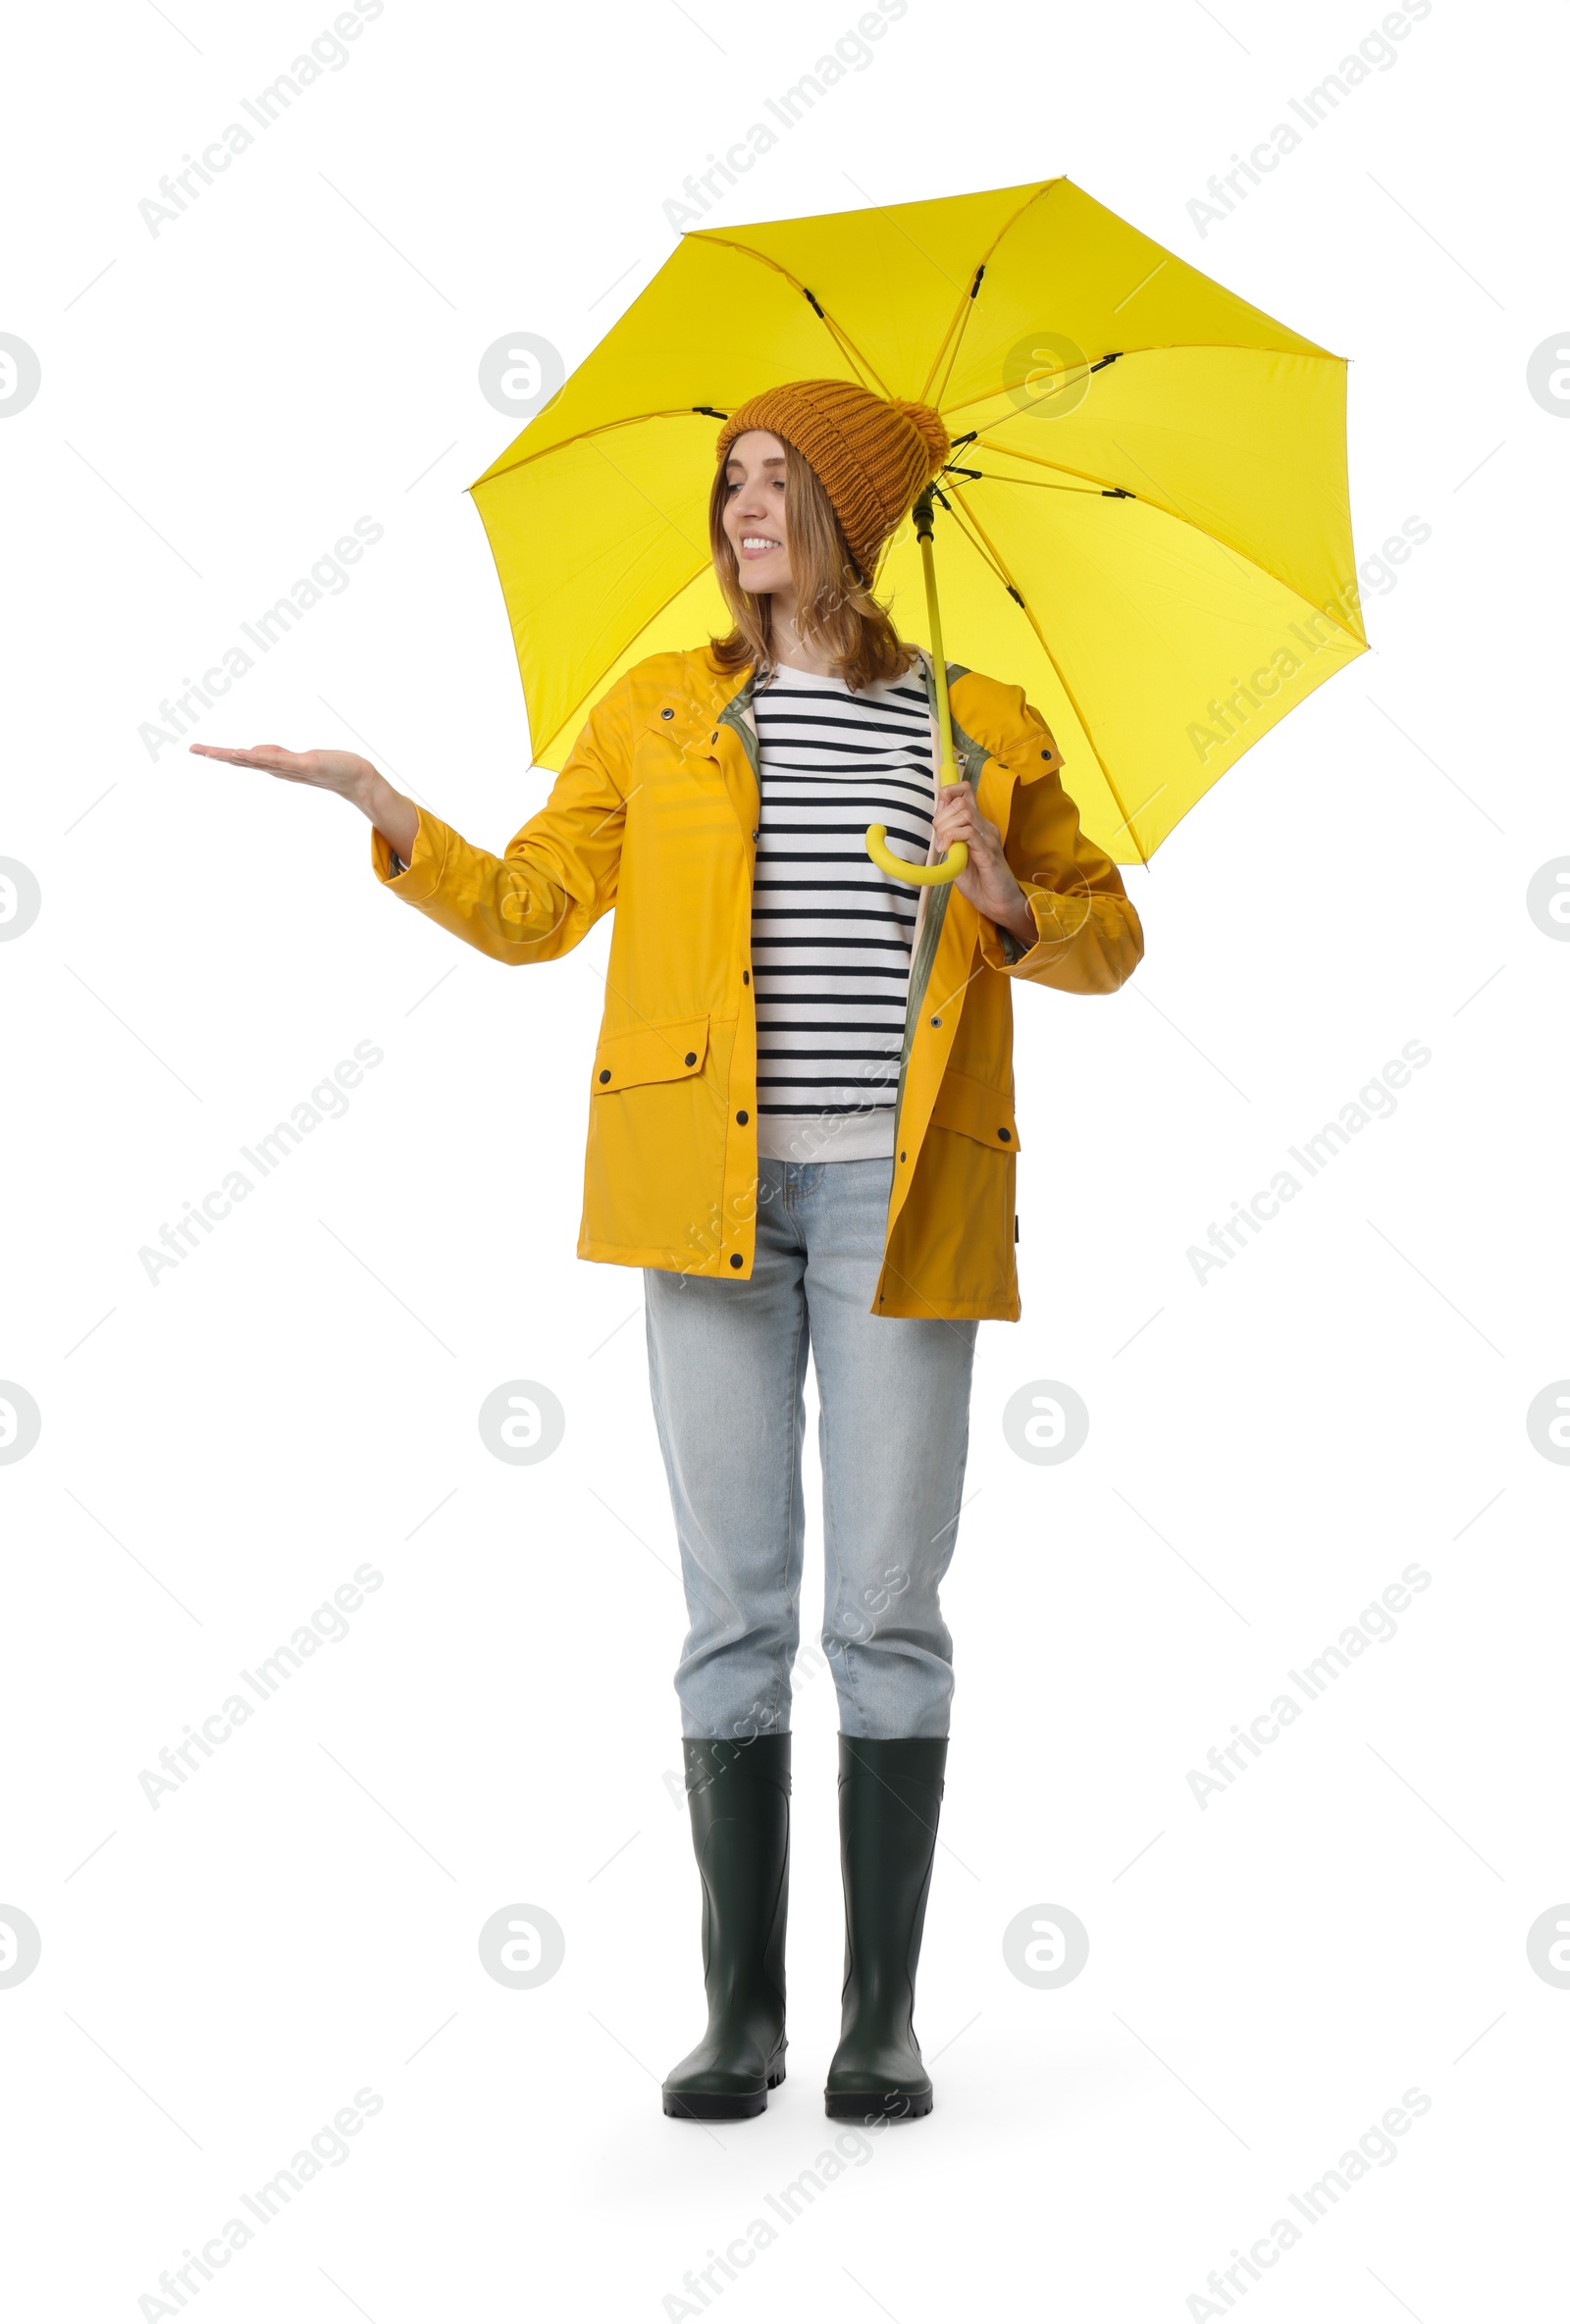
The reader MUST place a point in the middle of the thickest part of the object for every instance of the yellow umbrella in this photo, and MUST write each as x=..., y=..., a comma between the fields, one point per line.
x=1144, y=524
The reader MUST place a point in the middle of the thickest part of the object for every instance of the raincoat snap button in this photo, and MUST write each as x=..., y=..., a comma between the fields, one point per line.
x=937, y=1021
x=668, y=713
x=902, y=1157
x=1046, y=754
x=741, y=1117
x=714, y=737
x=692, y=1057
x=735, y=1259
x=605, y=1076
x=747, y=976
x=1003, y=1135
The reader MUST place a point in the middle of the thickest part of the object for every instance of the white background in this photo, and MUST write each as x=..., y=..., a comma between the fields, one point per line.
x=1268, y=1975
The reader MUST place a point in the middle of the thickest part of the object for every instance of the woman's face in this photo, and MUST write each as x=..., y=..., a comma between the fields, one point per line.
x=755, y=511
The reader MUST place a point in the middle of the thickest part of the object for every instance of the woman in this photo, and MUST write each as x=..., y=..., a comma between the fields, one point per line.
x=801, y=1130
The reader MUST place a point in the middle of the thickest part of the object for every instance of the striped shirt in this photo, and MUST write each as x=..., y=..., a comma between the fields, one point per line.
x=832, y=934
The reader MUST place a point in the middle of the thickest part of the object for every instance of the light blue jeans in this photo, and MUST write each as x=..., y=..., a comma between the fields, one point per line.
x=727, y=1362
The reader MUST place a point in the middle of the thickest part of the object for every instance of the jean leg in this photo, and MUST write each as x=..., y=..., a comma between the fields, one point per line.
x=894, y=1432
x=727, y=1362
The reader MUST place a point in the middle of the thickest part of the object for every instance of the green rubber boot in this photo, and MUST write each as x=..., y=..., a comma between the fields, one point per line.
x=889, y=1797
x=738, y=1795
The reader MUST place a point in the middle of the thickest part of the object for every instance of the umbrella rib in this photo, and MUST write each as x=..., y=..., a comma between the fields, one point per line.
x=836, y=331
x=949, y=344
x=1040, y=483
x=679, y=411
x=1073, y=703
x=1174, y=346
x=931, y=392
x=1178, y=517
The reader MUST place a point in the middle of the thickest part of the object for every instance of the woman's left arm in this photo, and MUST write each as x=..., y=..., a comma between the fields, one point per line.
x=1053, y=906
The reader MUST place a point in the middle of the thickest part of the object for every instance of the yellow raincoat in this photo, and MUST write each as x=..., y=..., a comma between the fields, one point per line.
x=655, y=814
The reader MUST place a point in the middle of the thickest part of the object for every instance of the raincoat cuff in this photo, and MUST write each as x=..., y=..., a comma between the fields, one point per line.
x=1058, y=921
x=421, y=876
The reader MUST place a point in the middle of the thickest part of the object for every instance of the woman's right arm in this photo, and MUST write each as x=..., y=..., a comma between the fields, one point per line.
x=535, y=901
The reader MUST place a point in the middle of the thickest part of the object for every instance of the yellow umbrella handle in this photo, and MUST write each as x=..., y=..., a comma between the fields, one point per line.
x=926, y=875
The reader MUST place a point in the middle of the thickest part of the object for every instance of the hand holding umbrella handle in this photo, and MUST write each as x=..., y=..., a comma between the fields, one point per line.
x=923, y=875
x=926, y=875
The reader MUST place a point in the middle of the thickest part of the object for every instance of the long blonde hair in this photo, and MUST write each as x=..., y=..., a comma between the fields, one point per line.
x=835, y=609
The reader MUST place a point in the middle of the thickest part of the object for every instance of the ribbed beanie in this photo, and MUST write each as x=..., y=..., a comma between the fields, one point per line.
x=871, y=454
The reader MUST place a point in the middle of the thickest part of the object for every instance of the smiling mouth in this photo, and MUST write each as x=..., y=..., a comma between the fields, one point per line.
x=759, y=543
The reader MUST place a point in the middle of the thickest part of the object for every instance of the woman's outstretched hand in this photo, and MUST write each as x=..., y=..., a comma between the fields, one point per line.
x=355, y=779
x=327, y=770
x=986, y=881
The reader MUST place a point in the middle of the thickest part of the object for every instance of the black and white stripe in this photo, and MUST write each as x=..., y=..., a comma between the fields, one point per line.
x=832, y=934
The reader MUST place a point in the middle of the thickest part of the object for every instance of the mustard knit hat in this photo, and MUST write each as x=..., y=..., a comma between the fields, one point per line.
x=871, y=455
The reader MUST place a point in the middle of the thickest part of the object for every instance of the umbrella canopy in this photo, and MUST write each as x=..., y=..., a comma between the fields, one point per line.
x=1145, y=524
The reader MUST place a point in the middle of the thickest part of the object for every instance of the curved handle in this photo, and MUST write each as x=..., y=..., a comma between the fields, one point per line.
x=915, y=875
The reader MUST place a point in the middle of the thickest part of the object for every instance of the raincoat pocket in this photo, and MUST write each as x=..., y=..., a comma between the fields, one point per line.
x=672, y=1051
x=977, y=1111
x=654, y=1170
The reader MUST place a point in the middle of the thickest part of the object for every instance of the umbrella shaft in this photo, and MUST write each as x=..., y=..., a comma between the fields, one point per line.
x=948, y=772
x=928, y=875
